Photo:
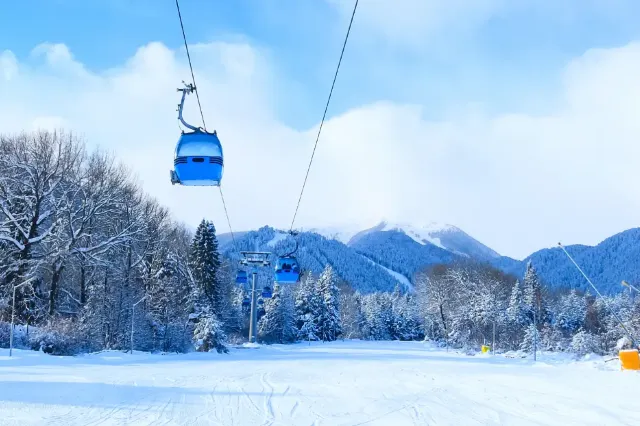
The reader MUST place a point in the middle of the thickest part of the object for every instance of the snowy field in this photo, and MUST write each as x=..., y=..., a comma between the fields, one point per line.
x=343, y=383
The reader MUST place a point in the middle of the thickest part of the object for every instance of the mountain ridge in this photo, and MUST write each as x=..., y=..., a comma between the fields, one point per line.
x=397, y=251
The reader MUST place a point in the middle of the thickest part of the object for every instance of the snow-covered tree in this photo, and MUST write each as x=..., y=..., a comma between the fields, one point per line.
x=208, y=335
x=307, y=309
x=584, y=343
x=351, y=316
x=532, y=296
x=378, y=312
x=204, y=263
x=438, y=298
x=33, y=170
x=571, y=312
x=406, y=318
x=328, y=318
x=531, y=339
x=277, y=325
x=516, y=312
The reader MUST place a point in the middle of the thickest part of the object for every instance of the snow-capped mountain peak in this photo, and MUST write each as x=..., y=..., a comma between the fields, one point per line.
x=441, y=235
x=422, y=234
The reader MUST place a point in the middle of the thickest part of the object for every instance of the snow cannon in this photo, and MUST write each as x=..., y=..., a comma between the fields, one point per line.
x=629, y=359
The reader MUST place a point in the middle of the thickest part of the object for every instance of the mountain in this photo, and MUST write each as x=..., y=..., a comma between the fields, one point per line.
x=388, y=254
x=402, y=249
x=375, y=259
x=615, y=259
x=446, y=237
x=314, y=253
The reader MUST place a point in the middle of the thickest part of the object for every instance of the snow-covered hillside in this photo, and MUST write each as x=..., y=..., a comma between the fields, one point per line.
x=607, y=263
x=396, y=275
x=396, y=250
x=314, y=253
x=444, y=236
x=339, y=383
x=403, y=249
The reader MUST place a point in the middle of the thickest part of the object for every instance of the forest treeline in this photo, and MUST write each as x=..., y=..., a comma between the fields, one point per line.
x=92, y=260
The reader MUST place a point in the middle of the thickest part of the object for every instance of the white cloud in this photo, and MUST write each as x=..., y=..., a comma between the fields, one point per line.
x=8, y=65
x=516, y=182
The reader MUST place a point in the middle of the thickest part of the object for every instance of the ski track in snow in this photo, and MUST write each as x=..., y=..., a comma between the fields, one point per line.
x=340, y=383
x=280, y=236
x=396, y=275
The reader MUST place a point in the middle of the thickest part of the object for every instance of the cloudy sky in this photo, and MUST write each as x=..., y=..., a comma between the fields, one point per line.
x=517, y=121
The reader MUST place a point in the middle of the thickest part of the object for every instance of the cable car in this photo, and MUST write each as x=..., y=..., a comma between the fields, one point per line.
x=198, y=159
x=287, y=270
x=260, y=302
x=266, y=292
x=246, y=302
x=241, y=277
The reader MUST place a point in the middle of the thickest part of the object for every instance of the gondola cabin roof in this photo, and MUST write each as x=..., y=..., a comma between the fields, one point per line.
x=198, y=144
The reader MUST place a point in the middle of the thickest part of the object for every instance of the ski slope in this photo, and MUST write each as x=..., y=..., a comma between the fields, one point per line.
x=398, y=276
x=342, y=383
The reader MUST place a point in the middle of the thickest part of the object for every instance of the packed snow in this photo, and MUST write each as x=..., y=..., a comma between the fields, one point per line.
x=340, y=383
x=398, y=276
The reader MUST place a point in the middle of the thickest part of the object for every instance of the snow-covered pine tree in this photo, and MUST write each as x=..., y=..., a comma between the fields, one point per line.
x=516, y=317
x=532, y=295
x=530, y=338
x=329, y=327
x=515, y=312
x=307, y=309
x=269, y=324
x=378, y=311
x=206, y=295
x=204, y=263
x=571, y=313
x=289, y=331
x=277, y=324
x=235, y=315
x=208, y=335
x=407, y=325
x=350, y=315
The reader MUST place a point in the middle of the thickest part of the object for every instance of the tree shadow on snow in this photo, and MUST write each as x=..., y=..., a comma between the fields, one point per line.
x=105, y=395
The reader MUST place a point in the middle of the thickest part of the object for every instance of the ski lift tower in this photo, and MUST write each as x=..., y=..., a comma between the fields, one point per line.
x=254, y=260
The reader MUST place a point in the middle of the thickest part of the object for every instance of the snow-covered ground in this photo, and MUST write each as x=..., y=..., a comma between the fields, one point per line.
x=342, y=383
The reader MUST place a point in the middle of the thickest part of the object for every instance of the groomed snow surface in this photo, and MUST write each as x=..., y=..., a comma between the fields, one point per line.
x=341, y=383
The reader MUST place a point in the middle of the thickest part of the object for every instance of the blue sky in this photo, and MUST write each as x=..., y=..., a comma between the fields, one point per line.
x=486, y=114
x=513, y=52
